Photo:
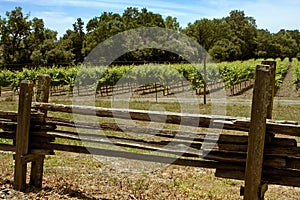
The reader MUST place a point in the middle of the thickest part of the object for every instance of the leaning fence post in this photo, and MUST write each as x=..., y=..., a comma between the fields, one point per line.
x=257, y=133
x=22, y=135
x=42, y=95
x=272, y=65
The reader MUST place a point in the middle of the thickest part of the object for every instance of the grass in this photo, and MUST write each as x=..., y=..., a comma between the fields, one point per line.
x=286, y=112
x=9, y=105
x=280, y=111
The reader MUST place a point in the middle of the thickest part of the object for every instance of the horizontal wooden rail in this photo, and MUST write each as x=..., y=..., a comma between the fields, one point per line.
x=224, y=169
x=286, y=177
x=178, y=134
x=7, y=147
x=8, y=115
x=277, y=146
x=223, y=122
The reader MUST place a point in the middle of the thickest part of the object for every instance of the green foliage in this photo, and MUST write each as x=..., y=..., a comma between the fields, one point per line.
x=28, y=41
x=226, y=39
x=6, y=78
x=288, y=46
x=281, y=70
x=238, y=71
x=225, y=50
x=12, y=31
x=242, y=32
x=231, y=73
x=25, y=41
x=296, y=72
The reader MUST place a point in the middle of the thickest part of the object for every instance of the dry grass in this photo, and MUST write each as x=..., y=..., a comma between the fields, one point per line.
x=77, y=176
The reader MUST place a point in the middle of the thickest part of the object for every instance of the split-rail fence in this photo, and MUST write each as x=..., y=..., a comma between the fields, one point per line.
x=265, y=153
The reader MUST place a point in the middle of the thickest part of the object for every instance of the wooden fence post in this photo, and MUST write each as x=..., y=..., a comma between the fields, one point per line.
x=37, y=165
x=43, y=89
x=257, y=133
x=22, y=135
x=272, y=65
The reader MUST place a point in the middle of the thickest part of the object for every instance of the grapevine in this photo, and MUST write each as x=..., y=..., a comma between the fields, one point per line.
x=231, y=73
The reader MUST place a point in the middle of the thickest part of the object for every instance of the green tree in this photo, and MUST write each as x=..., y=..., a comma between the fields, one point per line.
x=287, y=44
x=75, y=38
x=149, y=19
x=109, y=24
x=27, y=42
x=130, y=18
x=57, y=53
x=210, y=34
x=225, y=50
x=101, y=28
x=34, y=40
x=172, y=23
x=204, y=31
x=295, y=34
x=244, y=33
x=266, y=45
x=13, y=30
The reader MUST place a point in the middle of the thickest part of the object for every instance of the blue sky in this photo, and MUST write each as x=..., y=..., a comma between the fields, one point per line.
x=59, y=15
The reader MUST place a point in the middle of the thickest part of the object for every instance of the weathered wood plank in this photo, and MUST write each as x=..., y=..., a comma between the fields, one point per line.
x=234, y=173
x=177, y=149
x=29, y=158
x=182, y=135
x=271, y=89
x=283, y=142
x=257, y=133
x=8, y=115
x=137, y=156
x=43, y=88
x=7, y=135
x=7, y=147
x=42, y=152
x=37, y=169
x=40, y=139
x=270, y=176
x=293, y=163
x=106, y=139
x=37, y=165
x=229, y=123
x=284, y=129
x=213, y=156
x=22, y=135
x=7, y=125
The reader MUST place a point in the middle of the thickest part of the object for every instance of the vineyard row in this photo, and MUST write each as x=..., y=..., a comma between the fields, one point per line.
x=230, y=73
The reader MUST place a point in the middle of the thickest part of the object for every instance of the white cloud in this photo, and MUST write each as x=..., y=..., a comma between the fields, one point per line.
x=275, y=15
x=55, y=20
x=270, y=14
x=192, y=6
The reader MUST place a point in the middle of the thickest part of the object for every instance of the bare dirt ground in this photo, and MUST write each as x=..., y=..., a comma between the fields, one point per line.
x=287, y=90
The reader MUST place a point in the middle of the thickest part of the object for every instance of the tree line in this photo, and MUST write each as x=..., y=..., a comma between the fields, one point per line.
x=27, y=42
